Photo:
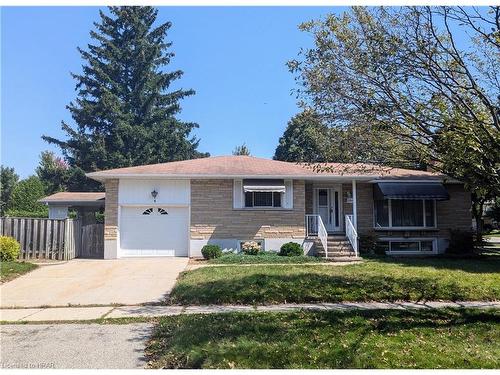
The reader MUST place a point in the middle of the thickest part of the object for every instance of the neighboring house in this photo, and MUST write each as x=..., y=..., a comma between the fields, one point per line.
x=174, y=209
x=85, y=204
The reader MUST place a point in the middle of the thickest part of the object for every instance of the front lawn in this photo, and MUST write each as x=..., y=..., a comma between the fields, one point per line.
x=11, y=270
x=374, y=280
x=329, y=339
x=264, y=258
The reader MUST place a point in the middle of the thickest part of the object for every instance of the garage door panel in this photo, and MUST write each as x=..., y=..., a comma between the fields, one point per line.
x=154, y=231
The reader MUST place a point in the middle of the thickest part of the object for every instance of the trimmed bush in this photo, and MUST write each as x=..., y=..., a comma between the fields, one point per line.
x=291, y=249
x=9, y=249
x=251, y=248
x=461, y=243
x=368, y=244
x=211, y=251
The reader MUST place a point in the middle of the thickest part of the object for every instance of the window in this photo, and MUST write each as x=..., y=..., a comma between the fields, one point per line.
x=263, y=199
x=401, y=213
x=149, y=211
x=406, y=246
x=162, y=211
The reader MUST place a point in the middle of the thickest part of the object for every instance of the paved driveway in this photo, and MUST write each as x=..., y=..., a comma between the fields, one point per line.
x=78, y=346
x=94, y=282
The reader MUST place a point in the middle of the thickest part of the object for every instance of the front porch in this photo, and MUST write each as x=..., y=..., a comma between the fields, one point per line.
x=331, y=217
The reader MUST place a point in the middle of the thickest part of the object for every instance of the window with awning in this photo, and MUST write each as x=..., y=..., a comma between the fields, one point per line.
x=263, y=193
x=407, y=205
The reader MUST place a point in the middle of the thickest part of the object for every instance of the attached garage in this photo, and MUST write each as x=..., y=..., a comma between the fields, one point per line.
x=154, y=231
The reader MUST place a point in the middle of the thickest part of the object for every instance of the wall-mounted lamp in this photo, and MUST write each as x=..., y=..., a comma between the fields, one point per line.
x=154, y=194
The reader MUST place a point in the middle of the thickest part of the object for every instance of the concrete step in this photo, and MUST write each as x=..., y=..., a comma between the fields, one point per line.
x=344, y=259
x=336, y=254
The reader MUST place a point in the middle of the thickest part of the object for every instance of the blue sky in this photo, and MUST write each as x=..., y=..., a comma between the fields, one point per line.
x=233, y=57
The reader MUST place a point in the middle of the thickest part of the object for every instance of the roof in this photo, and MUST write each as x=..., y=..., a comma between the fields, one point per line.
x=75, y=199
x=249, y=166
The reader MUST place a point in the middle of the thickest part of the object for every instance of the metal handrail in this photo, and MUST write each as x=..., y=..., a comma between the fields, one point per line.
x=315, y=227
x=351, y=233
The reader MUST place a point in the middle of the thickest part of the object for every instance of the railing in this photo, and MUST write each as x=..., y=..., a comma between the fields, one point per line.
x=315, y=227
x=351, y=233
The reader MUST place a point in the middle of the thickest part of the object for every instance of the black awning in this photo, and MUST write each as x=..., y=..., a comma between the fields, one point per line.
x=410, y=190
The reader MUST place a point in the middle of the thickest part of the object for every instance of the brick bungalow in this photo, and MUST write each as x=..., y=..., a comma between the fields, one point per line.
x=174, y=209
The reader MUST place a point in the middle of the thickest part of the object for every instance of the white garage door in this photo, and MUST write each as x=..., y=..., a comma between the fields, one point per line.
x=154, y=231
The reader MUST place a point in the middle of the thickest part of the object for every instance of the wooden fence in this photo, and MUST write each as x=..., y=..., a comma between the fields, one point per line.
x=92, y=241
x=44, y=238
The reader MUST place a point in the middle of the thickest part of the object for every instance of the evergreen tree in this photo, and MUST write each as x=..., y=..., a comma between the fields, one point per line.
x=125, y=114
x=242, y=150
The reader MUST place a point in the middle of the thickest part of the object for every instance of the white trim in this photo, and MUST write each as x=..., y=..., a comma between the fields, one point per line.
x=153, y=205
x=411, y=239
x=331, y=188
x=392, y=228
x=168, y=176
x=354, y=205
x=189, y=222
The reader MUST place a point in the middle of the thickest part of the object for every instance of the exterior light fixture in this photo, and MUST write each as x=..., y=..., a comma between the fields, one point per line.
x=154, y=194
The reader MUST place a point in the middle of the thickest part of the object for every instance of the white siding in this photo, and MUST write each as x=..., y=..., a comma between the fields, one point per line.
x=58, y=212
x=138, y=192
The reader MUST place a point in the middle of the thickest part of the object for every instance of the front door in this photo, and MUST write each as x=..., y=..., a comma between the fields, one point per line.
x=328, y=207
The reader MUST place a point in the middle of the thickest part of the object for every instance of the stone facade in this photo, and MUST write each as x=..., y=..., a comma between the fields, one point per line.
x=213, y=215
x=111, y=210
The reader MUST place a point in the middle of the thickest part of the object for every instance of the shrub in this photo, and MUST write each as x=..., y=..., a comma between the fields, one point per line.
x=461, y=243
x=9, y=249
x=368, y=244
x=291, y=249
x=211, y=251
x=251, y=247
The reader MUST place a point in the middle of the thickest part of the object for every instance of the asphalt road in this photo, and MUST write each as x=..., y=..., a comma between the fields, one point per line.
x=77, y=346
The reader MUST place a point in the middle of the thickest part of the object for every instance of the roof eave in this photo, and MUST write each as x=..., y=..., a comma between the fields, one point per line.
x=370, y=178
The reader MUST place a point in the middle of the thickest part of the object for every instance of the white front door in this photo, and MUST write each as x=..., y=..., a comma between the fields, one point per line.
x=328, y=203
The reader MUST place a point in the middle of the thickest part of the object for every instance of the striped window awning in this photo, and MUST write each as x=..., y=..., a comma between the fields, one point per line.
x=261, y=185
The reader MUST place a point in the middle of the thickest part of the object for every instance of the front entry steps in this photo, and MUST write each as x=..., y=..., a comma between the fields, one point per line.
x=339, y=249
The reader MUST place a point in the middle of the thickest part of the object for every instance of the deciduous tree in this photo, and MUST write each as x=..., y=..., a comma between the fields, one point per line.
x=8, y=180
x=426, y=74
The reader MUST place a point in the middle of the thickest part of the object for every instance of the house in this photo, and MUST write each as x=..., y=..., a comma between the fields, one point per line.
x=84, y=203
x=174, y=209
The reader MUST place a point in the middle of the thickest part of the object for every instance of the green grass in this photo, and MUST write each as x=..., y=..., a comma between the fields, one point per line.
x=264, y=258
x=329, y=339
x=374, y=280
x=11, y=270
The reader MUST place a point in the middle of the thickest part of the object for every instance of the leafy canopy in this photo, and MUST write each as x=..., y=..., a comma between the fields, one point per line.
x=308, y=139
x=429, y=75
x=8, y=180
x=25, y=196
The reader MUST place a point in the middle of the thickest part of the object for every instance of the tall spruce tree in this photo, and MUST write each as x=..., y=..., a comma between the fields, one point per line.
x=125, y=110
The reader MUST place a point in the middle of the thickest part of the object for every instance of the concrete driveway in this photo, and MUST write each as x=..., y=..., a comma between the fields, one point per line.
x=94, y=282
x=74, y=346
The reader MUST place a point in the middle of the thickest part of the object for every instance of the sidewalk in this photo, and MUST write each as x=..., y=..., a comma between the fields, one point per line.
x=61, y=314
